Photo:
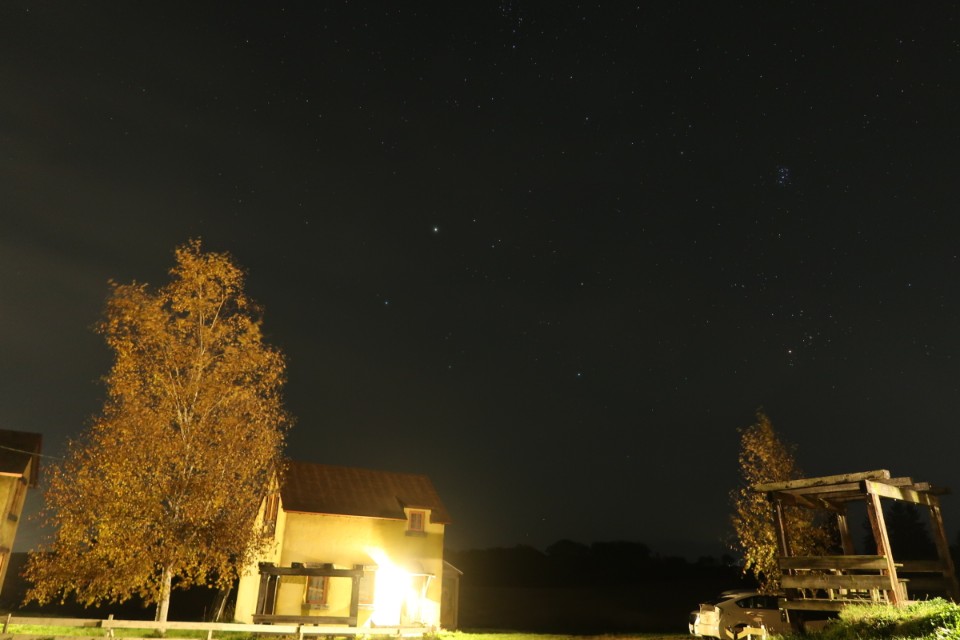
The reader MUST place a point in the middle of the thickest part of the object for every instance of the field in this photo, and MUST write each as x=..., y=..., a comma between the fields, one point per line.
x=540, y=636
x=57, y=632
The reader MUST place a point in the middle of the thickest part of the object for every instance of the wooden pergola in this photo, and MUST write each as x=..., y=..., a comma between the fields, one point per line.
x=270, y=575
x=827, y=583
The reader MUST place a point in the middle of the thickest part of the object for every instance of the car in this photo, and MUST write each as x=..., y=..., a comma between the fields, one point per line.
x=738, y=614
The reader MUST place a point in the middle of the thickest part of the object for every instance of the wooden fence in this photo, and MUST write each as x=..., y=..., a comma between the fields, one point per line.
x=111, y=624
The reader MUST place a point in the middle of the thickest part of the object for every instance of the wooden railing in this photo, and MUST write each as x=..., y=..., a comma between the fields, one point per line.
x=831, y=582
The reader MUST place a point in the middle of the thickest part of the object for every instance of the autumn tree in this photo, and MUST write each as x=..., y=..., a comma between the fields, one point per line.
x=164, y=484
x=764, y=457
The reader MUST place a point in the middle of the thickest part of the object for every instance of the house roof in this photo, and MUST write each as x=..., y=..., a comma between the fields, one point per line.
x=16, y=450
x=321, y=488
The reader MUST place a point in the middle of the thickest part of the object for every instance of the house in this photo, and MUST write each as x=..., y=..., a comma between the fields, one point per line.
x=19, y=468
x=354, y=547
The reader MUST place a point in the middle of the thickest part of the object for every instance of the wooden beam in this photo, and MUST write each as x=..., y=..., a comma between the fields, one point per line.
x=811, y=604
x=806, y=501
x=842, y=563
x=943, y=549
x=844, y=528
x=355, y=596
x=783, y=538
x=310, y=571
x=849, y=489
x=906, y=494
x=879, y=527
x=925, y=584
x=920, y=566
x=836, y=581
x=282, y=619
x=880, y=474
x=262, y=592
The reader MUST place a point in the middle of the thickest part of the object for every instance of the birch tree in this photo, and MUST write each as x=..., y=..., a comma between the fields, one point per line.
x=765, y=457
x=164, y=487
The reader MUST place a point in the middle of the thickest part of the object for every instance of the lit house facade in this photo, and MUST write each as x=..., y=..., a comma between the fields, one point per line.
x=354, y=547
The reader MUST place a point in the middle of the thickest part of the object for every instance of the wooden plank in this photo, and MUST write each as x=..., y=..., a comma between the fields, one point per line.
x=907, y=494
x=815, y=604
x=56, y=622
x=879, y=527
x=783, y=536
x=199, y=626
x=807, y=502
x=925, y=584
x=834, y=562
x=844, y=528
x=848, y=490
x=943, y=550
x=291, y=619
x=834, y=581
x=880, y=474
x=920, y=566
x=311, y=571
x=47, y=636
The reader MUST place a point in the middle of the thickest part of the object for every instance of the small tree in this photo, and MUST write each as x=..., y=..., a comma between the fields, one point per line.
x=764, y=457
x=167, y=481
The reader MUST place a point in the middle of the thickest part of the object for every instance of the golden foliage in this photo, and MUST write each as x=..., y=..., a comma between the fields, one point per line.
x=764, y=457
x=167, y=480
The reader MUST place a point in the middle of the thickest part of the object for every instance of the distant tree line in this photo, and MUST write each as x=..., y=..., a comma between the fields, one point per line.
x=566, y=563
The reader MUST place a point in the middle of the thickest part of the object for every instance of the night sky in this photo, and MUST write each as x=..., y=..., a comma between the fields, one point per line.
x=550, y=254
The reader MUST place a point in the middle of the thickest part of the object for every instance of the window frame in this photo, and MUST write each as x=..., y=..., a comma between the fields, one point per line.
x=324, y=588
x=271, y=510
x=417, y=522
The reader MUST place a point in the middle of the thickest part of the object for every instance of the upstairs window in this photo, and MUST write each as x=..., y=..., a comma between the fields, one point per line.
x=416, y=522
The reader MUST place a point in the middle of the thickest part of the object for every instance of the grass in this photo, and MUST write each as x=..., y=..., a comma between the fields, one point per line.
x=461, y=635
x=935, y=619
x=49, y=631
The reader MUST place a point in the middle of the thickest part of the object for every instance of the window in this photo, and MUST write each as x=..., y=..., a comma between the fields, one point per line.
x=415, y=524
x=316, y=595
x=270, y=508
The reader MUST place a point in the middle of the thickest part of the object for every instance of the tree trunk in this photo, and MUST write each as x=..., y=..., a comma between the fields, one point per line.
x=163, y=606
x=220, y=604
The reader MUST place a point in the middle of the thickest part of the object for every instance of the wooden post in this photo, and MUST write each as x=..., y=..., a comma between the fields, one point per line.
x=879, y=526
x=844, y=527
x=943, y=549
x=783, y=539
x=262, y=591
x=355, y=596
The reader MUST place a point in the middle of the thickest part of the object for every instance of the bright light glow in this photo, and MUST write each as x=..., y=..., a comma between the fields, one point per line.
x=393, y=589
